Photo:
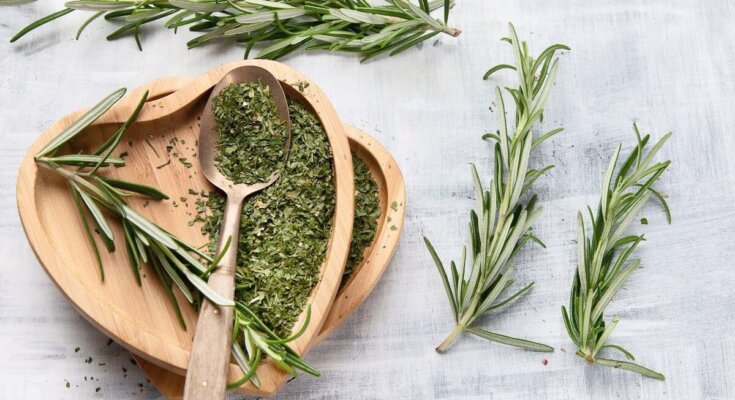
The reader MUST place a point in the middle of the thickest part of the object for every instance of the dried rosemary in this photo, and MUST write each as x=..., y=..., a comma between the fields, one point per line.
x=367, y=212
x=277, y=27
x=501, y=226
x=175, y=263
x=250, y=133
x=284, y=229
x=603, y=252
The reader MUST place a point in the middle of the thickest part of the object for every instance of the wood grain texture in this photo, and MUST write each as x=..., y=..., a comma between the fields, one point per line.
x=667, y=64
x=392, y=194
x=144, y=322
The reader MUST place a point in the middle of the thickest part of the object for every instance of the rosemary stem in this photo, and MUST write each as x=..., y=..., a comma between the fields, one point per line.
x=453, y=335
x=449, y=31
x=454, y=32
x=585, y=353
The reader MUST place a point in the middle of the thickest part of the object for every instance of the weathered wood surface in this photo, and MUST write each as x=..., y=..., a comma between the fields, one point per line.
x=666, y=64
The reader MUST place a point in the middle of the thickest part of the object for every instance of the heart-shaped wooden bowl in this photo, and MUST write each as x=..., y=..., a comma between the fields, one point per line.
x=392, y=194
x=141, y=318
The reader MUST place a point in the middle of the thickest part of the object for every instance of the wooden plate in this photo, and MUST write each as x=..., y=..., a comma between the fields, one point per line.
x=141, y=318
x=377, y=257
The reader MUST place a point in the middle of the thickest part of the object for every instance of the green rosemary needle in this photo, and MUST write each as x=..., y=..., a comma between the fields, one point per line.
x=277, y=27
x=501, y=226
x=175, y=263
x=603, y=252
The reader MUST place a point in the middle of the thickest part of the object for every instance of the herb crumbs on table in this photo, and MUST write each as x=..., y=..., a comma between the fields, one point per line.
x=367, y=212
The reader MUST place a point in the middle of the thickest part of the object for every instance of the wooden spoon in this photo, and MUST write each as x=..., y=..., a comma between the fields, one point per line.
x=206, y=376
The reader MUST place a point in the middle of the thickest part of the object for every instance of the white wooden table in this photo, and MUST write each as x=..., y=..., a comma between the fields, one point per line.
x=666, y=64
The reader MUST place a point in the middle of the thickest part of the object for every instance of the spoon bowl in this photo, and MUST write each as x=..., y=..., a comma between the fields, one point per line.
x=206, y=376
x=208, y=128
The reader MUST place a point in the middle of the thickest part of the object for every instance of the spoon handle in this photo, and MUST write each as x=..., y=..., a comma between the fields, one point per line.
x=206, y=377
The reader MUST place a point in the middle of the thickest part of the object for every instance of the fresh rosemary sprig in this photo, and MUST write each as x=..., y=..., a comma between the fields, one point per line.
x=504, y=222
x=278, y=27
x=175, y=262
x=604, y=250
x=94, y=193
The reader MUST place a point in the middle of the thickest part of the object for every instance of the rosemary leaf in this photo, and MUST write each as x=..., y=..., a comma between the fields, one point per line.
x=85, y=160
x=169, y=292
x=115, y=140
x=40, y=22
x=632, y=367
x=14, y=2
x=88, y=232
x=96, y=213
x=98, y=5
x=83, y=122
x=507, y=340
x=137, y=188
x=87, y=22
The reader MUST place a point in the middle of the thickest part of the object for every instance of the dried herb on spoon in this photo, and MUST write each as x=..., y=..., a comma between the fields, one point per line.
x=501, y=226
x=277, y=27
x=250, y=133
x=603, y=252
x=176, y=263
